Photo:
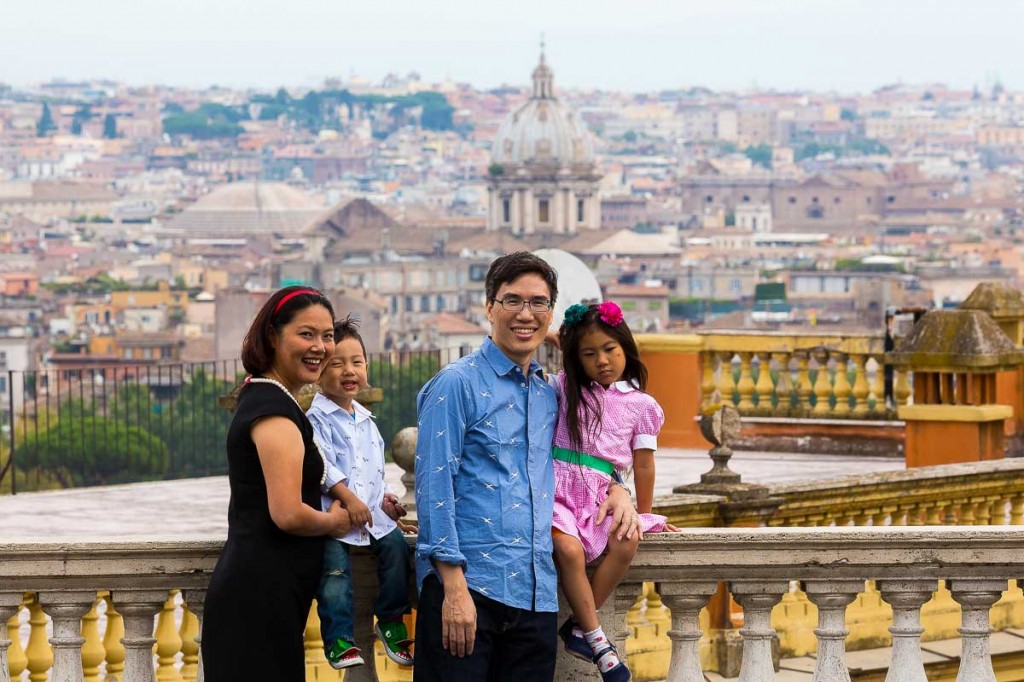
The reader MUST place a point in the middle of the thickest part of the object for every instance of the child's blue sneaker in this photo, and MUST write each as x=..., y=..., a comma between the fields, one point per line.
x=575, y=644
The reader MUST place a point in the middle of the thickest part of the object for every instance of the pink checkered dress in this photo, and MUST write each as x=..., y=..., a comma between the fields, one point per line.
x=630, y=420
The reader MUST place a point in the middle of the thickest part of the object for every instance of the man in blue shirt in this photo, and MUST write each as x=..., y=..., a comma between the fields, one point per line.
x=484, y=495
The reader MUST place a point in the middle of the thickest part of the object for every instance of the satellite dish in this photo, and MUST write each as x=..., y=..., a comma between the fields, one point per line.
x=576, y=282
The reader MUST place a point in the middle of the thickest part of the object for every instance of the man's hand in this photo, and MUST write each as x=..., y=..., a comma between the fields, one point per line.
x=625, y=520
x=458, y=612
x=392, y=507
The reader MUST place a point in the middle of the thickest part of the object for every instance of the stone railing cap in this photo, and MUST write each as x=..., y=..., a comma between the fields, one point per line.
x=956, y=341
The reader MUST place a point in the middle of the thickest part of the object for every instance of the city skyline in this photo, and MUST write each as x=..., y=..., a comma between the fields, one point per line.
x=731, y=45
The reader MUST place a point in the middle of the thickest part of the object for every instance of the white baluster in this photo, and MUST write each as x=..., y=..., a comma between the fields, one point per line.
x=832, y=597
x=975, y=597
x=138, y=608
x=196, y=600
x=757, y=599
x=66, y=610
x=10, y=604
x=906, y=598
x=685, y=600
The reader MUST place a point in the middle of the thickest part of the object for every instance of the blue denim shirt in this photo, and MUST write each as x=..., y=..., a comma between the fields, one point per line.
x=484, y=480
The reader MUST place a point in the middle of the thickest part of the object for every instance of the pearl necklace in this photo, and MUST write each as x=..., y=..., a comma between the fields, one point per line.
x=316, y=444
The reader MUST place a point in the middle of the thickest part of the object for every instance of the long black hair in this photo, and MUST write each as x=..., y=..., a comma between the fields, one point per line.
x=577, y=387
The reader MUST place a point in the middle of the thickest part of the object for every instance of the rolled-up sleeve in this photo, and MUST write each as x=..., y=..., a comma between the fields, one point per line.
x=442, y=408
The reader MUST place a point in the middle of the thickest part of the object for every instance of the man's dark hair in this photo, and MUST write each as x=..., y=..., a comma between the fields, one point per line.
x=508, y=268
x=280, y=309
x=348, y=328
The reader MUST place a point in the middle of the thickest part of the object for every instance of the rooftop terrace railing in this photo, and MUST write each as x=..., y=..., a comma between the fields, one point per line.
x=760, y=566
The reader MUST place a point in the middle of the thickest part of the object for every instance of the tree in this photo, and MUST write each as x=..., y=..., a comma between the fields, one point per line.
x=45, y=125
x=110, y=127
x=93, y=451
x=82, y=115
x=400, y=381
x=760, y=155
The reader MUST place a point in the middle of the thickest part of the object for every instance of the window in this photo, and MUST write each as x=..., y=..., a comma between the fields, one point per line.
x=654, y=305
x=890, y=199
x=579, y=210
x=408, y=304
x=792, y=200
x=628, y=305
x=543, y=211
x=734, y=284
x=836, y=200
x=746, y=198
x=506, y=210
x=424, y=304
x=440, y=303
x=708, y=199
x=3, y=384
x=394, y=305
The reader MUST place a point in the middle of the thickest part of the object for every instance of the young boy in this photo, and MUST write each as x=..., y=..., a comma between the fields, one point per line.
x=354, y=451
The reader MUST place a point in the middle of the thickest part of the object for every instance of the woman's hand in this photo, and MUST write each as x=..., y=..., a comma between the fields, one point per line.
x=341, y=522
x=358, y=511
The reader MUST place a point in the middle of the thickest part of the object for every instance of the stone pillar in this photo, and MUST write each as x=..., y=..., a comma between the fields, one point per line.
x=955, y=356
x=673, y=363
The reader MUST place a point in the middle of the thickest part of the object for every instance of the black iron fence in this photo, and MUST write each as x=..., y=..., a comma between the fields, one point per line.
x=86, y=426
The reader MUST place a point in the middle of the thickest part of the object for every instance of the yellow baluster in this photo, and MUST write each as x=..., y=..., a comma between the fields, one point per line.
x=746, y=384
x=918, y=514
x=17, y=661
x=93, y=652
x=1017, y=510
x=112, y=642
x=40, y=655
x=935, y=513
x=765, y=387
x=822, y=386
x=902, y=388
x=657, y=614
x=707, y=381
x=954, y=513
x=803, y=383
x=784, y=385
x=189, y=646
x=842, y=388
x=983, y=513
x=878, y=386
x=861, y=389
x=168, y=643
x=726, y=384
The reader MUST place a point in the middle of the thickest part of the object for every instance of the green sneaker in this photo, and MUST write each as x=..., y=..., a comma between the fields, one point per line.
x=343, y=654
x=395, y=638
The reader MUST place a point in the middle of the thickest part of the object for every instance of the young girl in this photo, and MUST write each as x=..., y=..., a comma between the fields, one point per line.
x=607, y=426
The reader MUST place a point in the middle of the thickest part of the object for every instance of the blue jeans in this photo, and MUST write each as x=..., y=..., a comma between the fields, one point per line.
x=334, y=602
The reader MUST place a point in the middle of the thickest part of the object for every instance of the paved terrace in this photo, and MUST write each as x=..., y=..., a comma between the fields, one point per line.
x=199, y=506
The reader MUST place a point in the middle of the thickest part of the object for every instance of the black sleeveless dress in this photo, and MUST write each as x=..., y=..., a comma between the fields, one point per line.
x=265, y=580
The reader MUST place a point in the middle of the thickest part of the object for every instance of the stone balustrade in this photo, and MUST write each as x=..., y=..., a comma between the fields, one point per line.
x=820, y=376
x=759, y=565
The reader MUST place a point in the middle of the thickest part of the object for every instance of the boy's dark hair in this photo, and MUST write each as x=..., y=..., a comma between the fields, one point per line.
x=280, y=309
x=348, y=328
x=576, y=387
x=510, y=267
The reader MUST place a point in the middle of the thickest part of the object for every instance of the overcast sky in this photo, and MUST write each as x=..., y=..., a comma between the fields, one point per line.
x=636, y=45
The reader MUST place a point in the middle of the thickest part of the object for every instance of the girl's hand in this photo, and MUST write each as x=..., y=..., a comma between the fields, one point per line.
x=669, y=528
x=392, y=507
x=551, y=338
x=358, y=512
x=406, y=528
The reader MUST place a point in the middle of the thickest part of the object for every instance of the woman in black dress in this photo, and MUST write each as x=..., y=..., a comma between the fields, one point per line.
x=265, y=580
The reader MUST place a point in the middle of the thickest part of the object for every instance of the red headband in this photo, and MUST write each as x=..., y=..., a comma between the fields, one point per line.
x=297, y=292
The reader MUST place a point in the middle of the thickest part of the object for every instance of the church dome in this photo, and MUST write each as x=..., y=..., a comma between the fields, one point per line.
x=543, y=130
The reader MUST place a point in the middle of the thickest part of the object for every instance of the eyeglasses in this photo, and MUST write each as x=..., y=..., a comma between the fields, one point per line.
x=514, y=304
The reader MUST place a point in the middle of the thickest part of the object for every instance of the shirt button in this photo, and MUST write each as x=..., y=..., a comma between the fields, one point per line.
x=523, y=385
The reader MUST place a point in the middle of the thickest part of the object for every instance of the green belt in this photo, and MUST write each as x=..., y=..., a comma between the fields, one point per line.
x=582, y=458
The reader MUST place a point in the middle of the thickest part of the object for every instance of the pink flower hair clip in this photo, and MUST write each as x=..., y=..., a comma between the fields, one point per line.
x=610, y=313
